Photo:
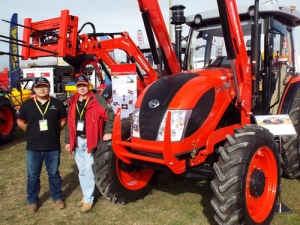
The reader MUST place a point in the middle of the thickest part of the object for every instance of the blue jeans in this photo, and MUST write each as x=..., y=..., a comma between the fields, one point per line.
x=34, y=162
x=84, y=161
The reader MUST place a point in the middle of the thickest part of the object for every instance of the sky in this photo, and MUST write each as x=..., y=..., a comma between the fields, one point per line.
x=106, y=15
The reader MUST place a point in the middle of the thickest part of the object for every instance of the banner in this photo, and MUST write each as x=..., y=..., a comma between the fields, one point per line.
x=14, y=66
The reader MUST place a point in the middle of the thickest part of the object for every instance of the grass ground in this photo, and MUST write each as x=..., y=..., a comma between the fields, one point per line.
x=173, y=201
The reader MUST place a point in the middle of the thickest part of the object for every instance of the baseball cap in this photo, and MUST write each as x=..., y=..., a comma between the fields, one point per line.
x=82, y=80
x=41, y=80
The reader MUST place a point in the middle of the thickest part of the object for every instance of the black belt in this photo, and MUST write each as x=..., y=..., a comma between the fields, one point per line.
x=82, y=135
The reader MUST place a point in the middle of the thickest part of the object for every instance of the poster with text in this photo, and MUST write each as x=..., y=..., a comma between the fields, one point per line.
x=124, y=88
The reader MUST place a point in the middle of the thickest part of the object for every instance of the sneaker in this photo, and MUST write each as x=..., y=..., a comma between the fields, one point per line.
x=80, y=203
x=87, y=206
x=31, y=209
x=59, y=204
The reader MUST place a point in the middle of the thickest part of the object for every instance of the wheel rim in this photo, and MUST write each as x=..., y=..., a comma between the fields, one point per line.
x=6, y=121
x=134, y=180
x=260, y=200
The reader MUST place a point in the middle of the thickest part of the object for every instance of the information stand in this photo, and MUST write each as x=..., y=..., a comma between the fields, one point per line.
x=278, y=125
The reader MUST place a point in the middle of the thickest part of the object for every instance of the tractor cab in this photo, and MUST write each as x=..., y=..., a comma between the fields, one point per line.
x=275, y=48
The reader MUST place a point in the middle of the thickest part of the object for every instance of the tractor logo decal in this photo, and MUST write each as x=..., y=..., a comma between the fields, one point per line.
x=223, y=87
x=153, y=103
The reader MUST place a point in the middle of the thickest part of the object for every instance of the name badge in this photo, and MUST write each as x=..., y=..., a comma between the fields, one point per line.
x=80, y=125
x=43, y=125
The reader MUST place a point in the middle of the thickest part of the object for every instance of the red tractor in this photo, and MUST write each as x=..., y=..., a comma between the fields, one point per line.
x=8, y=118
x=8, y=121
x=199, y=122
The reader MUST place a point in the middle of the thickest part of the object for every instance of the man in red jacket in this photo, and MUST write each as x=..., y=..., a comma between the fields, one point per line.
x=88, y=116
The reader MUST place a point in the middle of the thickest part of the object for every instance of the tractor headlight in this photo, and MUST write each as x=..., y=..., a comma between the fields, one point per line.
x=135, y=127
x=179, y=119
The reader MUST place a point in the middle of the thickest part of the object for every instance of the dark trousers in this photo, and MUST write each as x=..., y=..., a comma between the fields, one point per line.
x=34, y=162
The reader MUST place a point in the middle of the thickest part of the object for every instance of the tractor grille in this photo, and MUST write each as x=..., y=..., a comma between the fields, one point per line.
x=163, y=91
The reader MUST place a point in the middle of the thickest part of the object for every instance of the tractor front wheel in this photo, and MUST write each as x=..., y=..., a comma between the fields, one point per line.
x=247, y=180
x=117, y=181
x=8, y=120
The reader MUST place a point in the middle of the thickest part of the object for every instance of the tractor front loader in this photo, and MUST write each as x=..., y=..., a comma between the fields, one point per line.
x=200, y=122
x=60, y=37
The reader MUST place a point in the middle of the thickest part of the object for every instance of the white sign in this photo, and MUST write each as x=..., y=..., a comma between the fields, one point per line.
x=277, y=124
x=124, y=93
x=46, y=72
x=140, y=37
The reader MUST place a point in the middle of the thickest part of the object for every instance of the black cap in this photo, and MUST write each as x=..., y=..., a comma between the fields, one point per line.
x=41, y=80
x=82, y=80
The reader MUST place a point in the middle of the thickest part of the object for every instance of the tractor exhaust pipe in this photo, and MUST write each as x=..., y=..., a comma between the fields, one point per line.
x=255, y=44
x=178, y=19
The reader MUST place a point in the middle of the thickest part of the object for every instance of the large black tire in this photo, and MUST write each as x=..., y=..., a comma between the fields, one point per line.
x=246, y=185
x=290, y=143
x=117, y=181
x=8, y=120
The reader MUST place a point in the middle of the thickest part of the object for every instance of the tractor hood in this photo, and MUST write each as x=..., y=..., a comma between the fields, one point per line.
x=197, y=91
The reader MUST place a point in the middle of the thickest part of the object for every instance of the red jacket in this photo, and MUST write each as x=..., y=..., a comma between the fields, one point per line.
x=95, y=116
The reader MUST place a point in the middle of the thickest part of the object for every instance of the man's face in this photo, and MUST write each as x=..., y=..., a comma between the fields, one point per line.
x=82, y=89
x=42, y=90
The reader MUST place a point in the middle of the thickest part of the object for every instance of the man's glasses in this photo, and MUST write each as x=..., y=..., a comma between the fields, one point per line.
x=40, y=87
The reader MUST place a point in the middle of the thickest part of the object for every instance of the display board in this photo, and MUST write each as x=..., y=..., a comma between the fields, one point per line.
x=277, y=124
x=124, y=88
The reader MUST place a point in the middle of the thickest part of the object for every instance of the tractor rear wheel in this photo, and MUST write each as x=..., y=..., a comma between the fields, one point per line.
x=117, y=181
x=290, y=143
x=8, y=120
x=247, y=180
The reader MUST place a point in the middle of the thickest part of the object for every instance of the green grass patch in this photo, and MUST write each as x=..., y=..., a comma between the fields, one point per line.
x=174, y=201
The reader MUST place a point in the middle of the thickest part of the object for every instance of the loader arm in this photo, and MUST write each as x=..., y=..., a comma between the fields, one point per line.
x=157, y=23
x=108, y=59
x=59, y=37
x=90, y=45
x=236, y=52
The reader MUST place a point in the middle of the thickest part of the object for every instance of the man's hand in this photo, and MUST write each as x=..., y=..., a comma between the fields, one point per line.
x=107, y=137
x=22, y=125
x=68, y=148
x=62, y=124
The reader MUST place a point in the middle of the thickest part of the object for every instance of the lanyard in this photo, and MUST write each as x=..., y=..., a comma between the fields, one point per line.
x=43, y=113
x=81, y=113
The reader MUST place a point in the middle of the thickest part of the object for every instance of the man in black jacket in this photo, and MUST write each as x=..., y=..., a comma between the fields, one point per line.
x=42, y=118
